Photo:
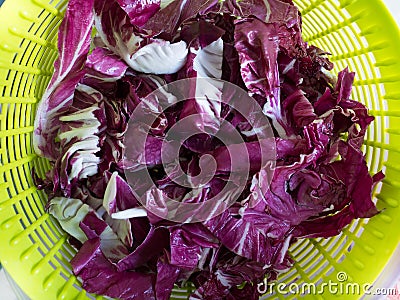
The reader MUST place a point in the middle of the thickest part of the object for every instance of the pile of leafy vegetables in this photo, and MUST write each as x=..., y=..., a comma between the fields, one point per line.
x=320, y=183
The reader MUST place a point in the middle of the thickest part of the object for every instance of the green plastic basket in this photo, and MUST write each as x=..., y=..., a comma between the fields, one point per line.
x=33, y=247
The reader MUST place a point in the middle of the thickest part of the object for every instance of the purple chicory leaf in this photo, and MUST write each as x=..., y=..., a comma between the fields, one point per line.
x=93, y=267
x=118, y=195
x=187, y=243
x=119, y=198
x=344, y=84
x=115, y=30
x=325, y=227
x=112, y=247
x=223, y=282
x=246, y=8
x=139, y=51
x=166, y=21
x=80, y=141
x=159, y=57
x=85, y=97
x=103, y=69
x=257, y=44
x=342, y=92
x=154, y=244
x=69, y=213
x=281, y=12
x=298, y=110
x=200, y=31
x=73, y=44
x=206, y=91
x=276, y=197
x=325, y=103
x=140, y=11
x=81, y=222
x=167, y=275
x=356, y=202
x=250, y=234
x=154, y=151
x=260, y=153
x=359, y=183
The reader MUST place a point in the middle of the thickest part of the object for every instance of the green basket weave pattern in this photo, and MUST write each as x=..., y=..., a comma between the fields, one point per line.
x=34, y=248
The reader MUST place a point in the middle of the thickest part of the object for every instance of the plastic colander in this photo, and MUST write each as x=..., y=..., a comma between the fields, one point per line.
x=34, y=249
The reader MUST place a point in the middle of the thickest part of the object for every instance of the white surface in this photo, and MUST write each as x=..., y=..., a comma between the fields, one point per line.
x=390, y=277
x=394, y=7
x=6, y=292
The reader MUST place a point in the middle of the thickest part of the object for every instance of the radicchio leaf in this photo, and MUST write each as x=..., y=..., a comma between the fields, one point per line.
x=93, y=267
x=140, y=11
x=139, y=51
x=73, y=44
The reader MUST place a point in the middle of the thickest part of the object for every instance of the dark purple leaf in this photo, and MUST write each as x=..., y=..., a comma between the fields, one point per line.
x=140, y=11
x=101, y=277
